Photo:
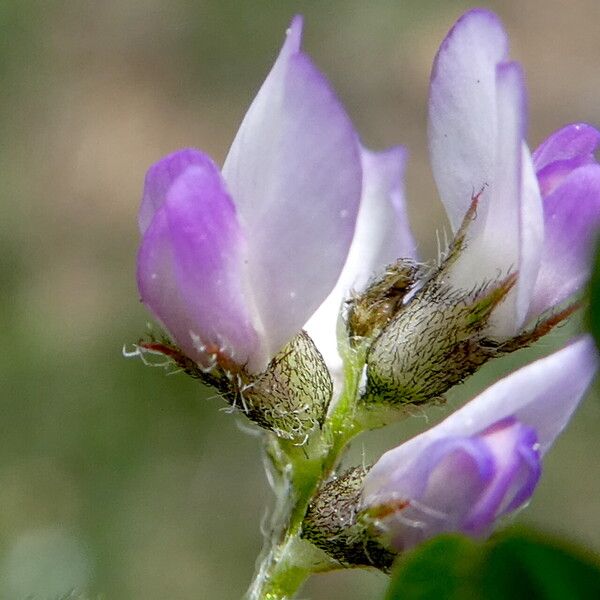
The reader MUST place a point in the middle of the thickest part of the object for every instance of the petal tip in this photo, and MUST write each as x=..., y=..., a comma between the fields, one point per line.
x=294, y=33
x=161, y=176
x=480, y=17
x=469, y=23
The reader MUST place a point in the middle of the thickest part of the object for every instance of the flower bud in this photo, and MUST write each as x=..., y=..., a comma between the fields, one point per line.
x=372, y=310
x=332, y=525
x=442, y=334
x=484, y=460
x=435, y=341
x=458, y=484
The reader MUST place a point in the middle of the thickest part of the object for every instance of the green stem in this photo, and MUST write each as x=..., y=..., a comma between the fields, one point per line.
x=300, y=471
x=286, y=568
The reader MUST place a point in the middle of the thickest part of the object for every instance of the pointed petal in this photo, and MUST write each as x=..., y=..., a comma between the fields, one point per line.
x=161, y=176
x=565, y=150
x=190, y=268
x=572, y=220
x=294, y=171
x=542, y=395
x=463, y=121
x=383, y=231
x=507, y=232
x=382, y=236
x=531, y=238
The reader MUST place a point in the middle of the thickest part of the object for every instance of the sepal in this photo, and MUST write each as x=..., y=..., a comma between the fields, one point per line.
x=333, y=524
x=290, y=397
x=433, y=343
x=431, y=335
x=368, y=313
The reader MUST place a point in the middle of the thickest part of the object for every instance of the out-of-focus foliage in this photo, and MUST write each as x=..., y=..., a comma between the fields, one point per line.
x=115, y=478
x=594, y=310
x=517, y=565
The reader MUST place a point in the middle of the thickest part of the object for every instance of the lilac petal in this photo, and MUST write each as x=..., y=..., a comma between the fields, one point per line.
x=414, y=479
x=190, y=269
x=507, y=233
x=572, y=221
x=161, y=176
x=294, y=171
x=463, y=122
x=382, y=236
x=531, y=238
x=542, y=395
x=565, y=150
x=440, y=489
x=496, y=247
x=517, y=469
x=530, y=467
x=461, y=483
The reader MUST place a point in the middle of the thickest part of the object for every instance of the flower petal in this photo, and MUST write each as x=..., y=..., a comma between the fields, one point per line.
x=568, y=148
x=439, y=490
x=463, y=120
x=294, y=171
x=517, y=469
x=161, y=176
x=507, y=232
x=542, y=395
x=572, y=221
x=531, y=238
x=415, y=481
x=382, y=236
x=190, y=268
x=462, y=483
x=494, y=249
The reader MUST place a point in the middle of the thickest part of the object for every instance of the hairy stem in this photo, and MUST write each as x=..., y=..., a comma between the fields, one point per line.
x=296, y=474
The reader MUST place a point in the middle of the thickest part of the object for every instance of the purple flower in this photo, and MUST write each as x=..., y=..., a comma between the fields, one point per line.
x=534, y=216
x=484, y=460
x=233, y=263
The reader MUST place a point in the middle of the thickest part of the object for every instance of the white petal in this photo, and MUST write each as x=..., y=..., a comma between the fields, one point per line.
x=382, y=236
x=494, y=242
x=295, y=175
x=463, y=120
x=531, y=238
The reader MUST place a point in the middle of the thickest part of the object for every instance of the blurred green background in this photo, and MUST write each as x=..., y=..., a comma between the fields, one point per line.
x=115, y=479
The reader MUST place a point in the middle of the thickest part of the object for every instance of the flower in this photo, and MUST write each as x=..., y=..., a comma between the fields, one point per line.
x=233, y=263
x=382, y=236
x=569, y=179
x=484, y=460
x=534, y=216
x=523, y=224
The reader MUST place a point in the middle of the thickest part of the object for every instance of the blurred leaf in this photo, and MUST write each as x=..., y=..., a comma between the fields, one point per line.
x=517, y=565
x=442, y=568
x=594, y=311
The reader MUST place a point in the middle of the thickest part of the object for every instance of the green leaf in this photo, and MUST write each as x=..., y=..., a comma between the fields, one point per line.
x=544, y=568
x=440, y=569
x=594, y=310
x=517, y=565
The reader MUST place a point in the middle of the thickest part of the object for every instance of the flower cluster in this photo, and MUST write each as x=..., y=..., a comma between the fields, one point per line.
x=289, y=280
